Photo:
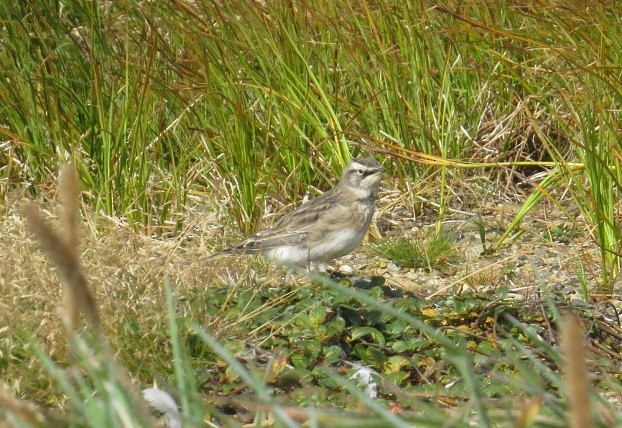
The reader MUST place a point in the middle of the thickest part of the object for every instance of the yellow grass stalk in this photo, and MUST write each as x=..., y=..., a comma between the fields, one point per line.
x=61, y=247
x=575, y=373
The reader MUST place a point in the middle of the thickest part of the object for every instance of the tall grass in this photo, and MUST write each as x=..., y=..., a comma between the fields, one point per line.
x=277, y=95
x=112, y=83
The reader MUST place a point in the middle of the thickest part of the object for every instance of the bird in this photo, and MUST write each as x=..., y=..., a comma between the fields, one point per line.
x=324, y=228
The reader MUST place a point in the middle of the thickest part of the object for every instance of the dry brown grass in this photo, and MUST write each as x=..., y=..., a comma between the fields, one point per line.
x=126, y=272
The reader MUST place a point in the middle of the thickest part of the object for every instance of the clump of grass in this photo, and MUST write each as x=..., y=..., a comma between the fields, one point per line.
x=485, y=277
x=437, y=252
x=563, y=233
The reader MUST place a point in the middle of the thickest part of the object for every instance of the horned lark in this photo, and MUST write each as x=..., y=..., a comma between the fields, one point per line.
x=327, y=227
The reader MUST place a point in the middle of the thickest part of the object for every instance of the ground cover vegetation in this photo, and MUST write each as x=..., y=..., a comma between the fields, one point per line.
x=488, y=292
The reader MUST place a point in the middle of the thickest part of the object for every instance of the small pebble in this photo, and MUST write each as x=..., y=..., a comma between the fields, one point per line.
x=346, y=269
x=433, y=283
x=392, y=267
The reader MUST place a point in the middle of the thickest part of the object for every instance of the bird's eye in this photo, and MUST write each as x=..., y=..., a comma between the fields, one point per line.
x=361, y=172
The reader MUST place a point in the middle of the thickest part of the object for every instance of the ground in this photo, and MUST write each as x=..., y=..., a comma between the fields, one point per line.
x=246, y=303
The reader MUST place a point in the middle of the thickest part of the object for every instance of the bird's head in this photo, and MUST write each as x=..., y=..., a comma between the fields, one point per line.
x=363, y=174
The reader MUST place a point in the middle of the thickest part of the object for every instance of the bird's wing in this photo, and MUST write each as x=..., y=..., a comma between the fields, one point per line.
x=267, y=239
x=291, y=229
x=306, y=215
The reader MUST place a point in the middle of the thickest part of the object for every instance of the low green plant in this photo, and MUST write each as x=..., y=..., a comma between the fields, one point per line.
x=563, y=233
x=436, y=252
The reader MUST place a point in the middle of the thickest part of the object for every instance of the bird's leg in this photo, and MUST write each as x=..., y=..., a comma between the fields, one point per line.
x=321, y=267
x=309, y=260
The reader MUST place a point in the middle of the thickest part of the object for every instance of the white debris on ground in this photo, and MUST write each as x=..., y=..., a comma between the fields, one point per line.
x=164, y=405
x=366, y=377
